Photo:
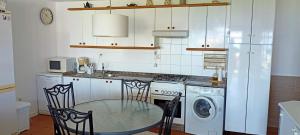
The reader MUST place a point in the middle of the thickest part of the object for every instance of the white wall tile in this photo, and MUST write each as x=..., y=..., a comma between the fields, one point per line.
x=176, y=60
x=186, y=70
x=165, y=69
x=165, y=48
x=176, y=49
x=186, y=60
x=165, y=59
x=197, y=60
x=175, y=69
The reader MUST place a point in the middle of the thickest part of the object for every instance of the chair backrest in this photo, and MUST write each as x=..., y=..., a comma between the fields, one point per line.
x=70, y=121
x=135, y=90
x=168, y=116
x=60, y=96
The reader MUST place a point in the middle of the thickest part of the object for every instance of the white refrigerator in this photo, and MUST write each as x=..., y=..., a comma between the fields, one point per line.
x=8, y=114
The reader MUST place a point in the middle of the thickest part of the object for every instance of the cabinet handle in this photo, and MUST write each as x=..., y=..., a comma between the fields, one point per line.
x=116, y=43
x=203, y=45
x=77, y=79
x=112, y=43
x=83, y=43
x=173, y=28
x=168, y=28
x=80, y=43
x=207, y=45
x=73, y=79
x=110, y=82
x=106, y=81
x=152, y=44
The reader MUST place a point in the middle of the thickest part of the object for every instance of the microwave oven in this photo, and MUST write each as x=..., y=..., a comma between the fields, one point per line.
x=61, y=64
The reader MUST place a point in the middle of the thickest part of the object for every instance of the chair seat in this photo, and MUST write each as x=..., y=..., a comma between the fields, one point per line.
x=146, y=133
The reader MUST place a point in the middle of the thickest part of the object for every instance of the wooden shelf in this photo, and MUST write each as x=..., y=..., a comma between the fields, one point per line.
x=114, y=47
x=206, y=49
x=154, y=6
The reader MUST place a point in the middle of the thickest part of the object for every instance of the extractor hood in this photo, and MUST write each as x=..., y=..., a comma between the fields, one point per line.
x=171, y=33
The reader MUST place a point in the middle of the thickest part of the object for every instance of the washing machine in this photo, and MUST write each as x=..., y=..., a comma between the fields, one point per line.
x=204, y=110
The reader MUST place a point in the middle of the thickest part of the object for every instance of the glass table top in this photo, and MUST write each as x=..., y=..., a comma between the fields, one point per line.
x=122, y=116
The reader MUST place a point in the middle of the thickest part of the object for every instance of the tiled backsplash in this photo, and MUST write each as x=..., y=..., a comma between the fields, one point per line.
x=172, y=58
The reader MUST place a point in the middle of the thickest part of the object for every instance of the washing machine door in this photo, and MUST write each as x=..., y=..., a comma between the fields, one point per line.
x=204, y=108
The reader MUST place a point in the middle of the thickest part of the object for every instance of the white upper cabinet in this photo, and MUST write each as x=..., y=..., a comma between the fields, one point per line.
x=144, y=25
x=259, y=89
x=126, y=41
x=180, y=17
x=88, y=37
x=197, y=27
x=240, y=21
x=263, y=21
x=163, y=20
x=216, y=27
x=75, y=28
x=104, y=41
x=80, y=28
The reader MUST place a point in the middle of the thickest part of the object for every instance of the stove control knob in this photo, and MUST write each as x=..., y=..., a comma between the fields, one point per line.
x=163, y=92
x=175, y=93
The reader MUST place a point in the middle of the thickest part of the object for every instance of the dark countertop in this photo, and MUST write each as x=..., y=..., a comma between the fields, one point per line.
x=202, y=81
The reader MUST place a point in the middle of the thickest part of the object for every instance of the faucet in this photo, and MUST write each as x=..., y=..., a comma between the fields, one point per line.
x=103, y=71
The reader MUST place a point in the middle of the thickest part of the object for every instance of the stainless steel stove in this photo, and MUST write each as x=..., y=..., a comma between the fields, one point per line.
x=164, y=88
x=170, y=78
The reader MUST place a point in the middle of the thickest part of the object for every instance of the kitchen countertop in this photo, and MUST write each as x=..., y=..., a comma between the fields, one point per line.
x=203, y=81
x=292, y=108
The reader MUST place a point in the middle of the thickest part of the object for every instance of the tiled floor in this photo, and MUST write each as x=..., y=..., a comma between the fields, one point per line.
x=42, y=125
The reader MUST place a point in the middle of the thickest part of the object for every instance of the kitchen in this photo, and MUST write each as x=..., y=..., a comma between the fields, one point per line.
x=173, y=63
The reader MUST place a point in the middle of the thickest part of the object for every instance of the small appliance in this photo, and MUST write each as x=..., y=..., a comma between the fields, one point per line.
x=83, y=62
x=61, y=64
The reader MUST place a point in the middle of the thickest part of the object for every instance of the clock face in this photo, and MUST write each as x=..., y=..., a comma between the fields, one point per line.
x=46, y=16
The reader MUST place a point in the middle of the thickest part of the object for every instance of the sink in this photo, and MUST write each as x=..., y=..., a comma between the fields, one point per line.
x=100, y=75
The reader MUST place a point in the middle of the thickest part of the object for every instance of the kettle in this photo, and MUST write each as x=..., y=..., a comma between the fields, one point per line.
x=87, y=5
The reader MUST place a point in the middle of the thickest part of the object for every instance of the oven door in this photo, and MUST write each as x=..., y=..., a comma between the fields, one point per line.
x=161, y=100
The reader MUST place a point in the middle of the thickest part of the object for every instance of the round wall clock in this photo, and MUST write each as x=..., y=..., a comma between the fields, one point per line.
x=46, y=16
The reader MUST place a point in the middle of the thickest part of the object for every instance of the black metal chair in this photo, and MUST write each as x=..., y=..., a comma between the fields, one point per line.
x=135, y=90
x=66, y=116
x=60, y=96
x=165, y=127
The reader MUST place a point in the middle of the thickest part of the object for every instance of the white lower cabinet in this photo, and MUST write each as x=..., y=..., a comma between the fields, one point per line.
x=45, y=81
x=105, y=89
x=82, y=88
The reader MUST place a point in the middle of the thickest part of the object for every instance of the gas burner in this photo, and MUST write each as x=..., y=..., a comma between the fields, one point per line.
x=170, y=78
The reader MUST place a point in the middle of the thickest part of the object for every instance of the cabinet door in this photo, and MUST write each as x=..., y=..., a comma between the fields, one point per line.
x=82, y=89
x=99, y=89
x=115, y=89
x=163, y=20
x=238, y=64
x=6, y=52
x=258, y=89
x=263, y=21
x=126, y=41
x=216, y=25
x=45, y=82
x=240, y=22
x=197, y=27
x=144, y=25
x=76, y=28
x=180, y=17
x=104, y=41
x=88, y=37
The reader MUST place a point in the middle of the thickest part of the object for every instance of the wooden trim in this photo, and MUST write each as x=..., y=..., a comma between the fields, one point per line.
x=206, y=49
x=114, y=47
x=7, y=88
x=154, y=6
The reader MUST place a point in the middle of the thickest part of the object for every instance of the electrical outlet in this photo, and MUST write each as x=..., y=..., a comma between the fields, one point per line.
x=155, y=65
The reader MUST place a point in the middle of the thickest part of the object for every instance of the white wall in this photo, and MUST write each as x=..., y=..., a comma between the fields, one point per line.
x=286, y=52
x=172, y=57
x=33, y=44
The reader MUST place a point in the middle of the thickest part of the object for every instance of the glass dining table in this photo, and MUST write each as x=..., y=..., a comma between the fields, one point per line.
x=121, y=117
